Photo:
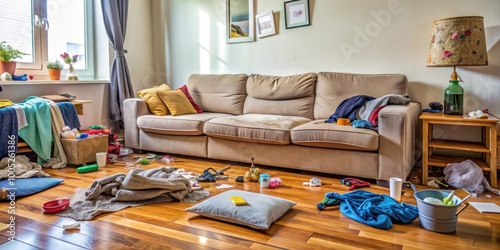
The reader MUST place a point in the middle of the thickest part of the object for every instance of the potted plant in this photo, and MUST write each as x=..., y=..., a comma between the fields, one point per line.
x=54, y=68
x=7, y=56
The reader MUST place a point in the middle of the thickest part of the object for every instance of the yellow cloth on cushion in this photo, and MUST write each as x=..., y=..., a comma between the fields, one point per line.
x=155, y=104
x=177, y=102
x=5, y=103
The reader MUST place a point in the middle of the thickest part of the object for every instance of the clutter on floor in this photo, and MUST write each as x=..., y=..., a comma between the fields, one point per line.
x=23, y=168
x=313, y=182
x=138, y=187
x=28, y=186
x=469, y=176
x=376, y=210
x=253, y=173
x=353, y=183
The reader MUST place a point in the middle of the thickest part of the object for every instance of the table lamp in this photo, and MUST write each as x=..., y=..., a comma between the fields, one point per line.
x=457, y=41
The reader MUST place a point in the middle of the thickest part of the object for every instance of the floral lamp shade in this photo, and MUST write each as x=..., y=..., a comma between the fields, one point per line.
x=458, y=41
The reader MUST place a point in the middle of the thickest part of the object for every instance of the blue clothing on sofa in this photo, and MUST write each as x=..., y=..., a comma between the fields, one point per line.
x=8, y=131
x=348, y=108
x=68, y=112
x=376, y=210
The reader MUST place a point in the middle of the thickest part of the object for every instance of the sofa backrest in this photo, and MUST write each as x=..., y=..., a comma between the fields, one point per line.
x=220, y=93
x=332, y=88
x=281, y=95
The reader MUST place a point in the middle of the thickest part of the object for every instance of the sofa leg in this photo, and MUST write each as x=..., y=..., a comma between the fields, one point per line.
x=138, y=151
x=383, y=183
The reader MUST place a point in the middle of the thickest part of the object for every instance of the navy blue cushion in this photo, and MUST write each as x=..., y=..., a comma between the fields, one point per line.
x=30, y=185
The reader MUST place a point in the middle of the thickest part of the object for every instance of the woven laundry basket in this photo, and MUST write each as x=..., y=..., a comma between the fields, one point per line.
x=83, y=151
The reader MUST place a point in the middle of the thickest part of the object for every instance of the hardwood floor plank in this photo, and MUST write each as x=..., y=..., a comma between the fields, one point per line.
x=18, y=245
x=169, y=226
x=342, y=241
x=178, y=235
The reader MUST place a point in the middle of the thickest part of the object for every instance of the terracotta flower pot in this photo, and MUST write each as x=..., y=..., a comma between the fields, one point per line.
x=8, y=66
x=55, y=74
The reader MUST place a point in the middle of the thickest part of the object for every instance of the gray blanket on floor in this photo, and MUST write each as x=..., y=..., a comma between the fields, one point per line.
x=138, y=187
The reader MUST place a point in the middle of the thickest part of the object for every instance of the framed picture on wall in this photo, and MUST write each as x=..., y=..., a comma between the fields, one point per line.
x=297, y=14
x=239, y=21
x=265, y=24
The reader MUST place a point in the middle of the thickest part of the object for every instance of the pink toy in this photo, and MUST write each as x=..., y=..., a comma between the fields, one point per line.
x=274, y=182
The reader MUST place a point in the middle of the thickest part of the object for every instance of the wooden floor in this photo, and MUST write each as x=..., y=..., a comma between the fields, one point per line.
x=169, y=226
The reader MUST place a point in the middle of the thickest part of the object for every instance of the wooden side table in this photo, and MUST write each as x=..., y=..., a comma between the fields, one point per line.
x=79, y=105
x=487, y=147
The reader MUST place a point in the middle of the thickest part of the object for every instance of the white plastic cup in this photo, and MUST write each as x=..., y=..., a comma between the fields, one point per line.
x=395, y=186
x=101, y=158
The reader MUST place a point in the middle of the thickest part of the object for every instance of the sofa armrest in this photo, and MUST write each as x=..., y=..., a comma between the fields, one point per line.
x=399, y=133
x=132, y=109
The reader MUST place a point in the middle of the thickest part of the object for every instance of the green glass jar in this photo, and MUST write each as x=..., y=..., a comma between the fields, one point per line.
x=454, y=99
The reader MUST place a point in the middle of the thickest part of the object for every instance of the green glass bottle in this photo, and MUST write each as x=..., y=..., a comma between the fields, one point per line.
x=454, y=99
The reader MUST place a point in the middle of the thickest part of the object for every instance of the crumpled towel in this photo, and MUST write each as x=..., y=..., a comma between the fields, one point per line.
x=141, y=184
x=376, y=210
x=109, y=194
x=23, y=168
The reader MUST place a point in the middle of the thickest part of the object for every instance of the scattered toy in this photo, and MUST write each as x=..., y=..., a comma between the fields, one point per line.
x=253, y=173
x=314, y=182
x=240, y=179
x=354, y=183
x=211, y=175
x=275, y=182
x=224, y=186
x=75, y=225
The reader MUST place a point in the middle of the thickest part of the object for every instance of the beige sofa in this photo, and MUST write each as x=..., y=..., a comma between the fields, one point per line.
x=279, y=120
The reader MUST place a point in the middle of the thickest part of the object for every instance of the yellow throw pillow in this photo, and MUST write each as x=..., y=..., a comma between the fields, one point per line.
x=155, y=104
x=177, y=102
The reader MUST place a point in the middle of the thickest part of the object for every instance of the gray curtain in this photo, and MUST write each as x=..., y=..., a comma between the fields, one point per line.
x=115, y=20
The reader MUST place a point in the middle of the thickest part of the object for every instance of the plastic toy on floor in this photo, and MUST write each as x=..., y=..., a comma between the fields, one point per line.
x=354, y=183
x=254, y=172
x=211, y=175
x=98, y=129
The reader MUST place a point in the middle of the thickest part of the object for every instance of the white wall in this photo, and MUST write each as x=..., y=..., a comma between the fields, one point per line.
x=139, y=44
x=397, y=44
x=94, y=113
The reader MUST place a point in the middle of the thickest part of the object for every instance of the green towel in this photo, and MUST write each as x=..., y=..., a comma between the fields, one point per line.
x=38, y=133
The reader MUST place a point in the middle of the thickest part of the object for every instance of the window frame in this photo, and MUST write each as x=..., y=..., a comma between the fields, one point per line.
x=40, y=46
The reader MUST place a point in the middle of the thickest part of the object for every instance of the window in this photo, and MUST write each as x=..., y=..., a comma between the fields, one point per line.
x=45, y=29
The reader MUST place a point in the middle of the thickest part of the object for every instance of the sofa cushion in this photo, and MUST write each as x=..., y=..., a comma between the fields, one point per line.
x=155, y=104
x=330, y=135
x=191, y=124
x=332, y=88
x=224, y=93
x=271, y=129
x=281, y=95
x=177, y=102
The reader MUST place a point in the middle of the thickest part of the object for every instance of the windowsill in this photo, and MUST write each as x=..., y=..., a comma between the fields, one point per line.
x=49, y=82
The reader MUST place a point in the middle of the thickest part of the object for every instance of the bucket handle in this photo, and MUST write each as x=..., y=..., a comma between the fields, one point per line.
x=408, y=184
x=462, y=209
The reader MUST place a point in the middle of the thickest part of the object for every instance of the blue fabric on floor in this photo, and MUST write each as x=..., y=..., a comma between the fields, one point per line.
x=29, y=186
x=68, y=112
x=8, y=131
x=376, y=210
